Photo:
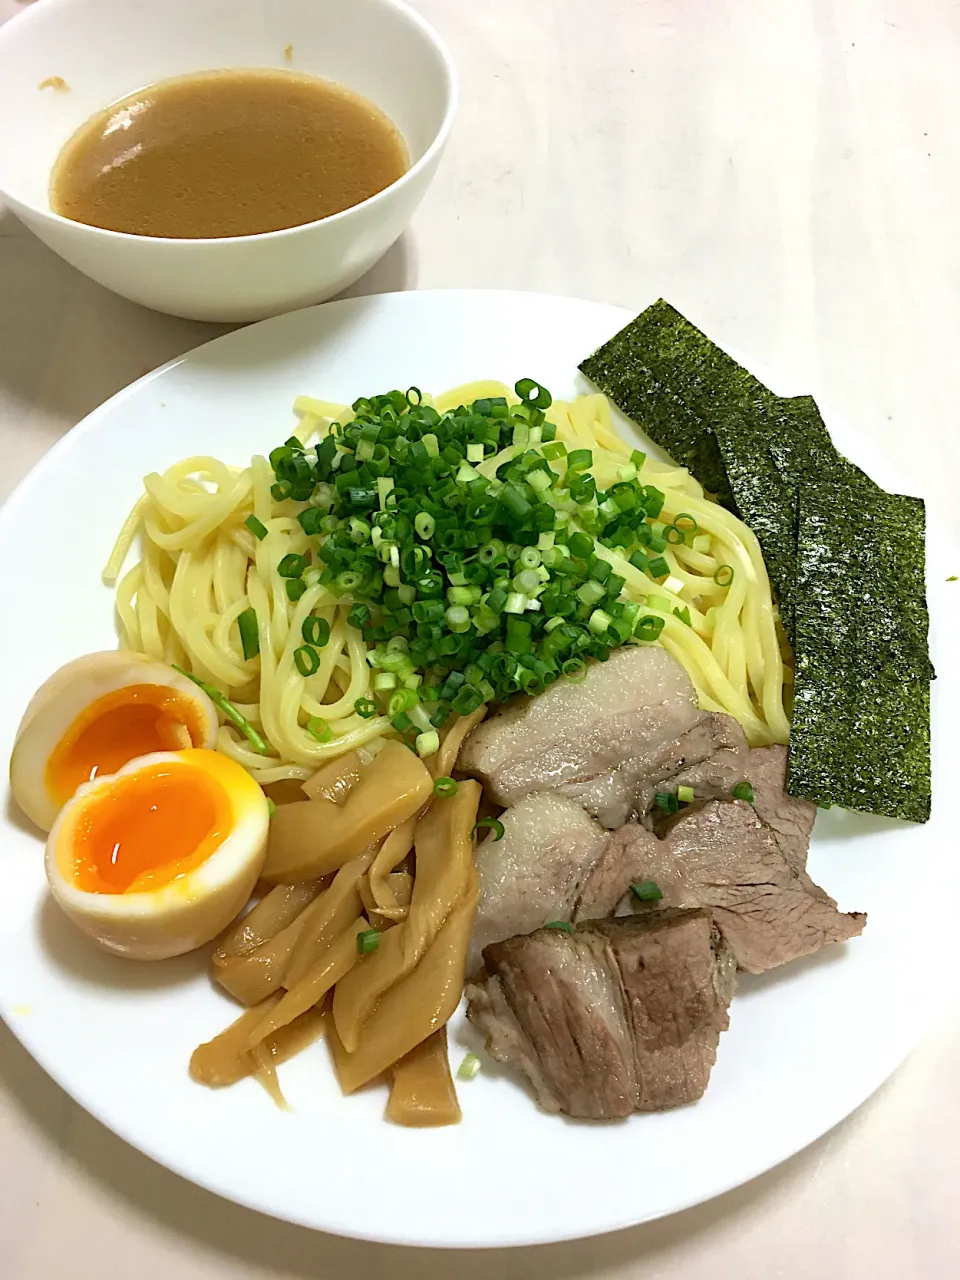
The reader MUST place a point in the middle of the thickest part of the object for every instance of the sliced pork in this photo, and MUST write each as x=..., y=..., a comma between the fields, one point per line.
x=602, y=742
x=765, y=768
x=535, y=871
x=748, y=875
x=620, y=1016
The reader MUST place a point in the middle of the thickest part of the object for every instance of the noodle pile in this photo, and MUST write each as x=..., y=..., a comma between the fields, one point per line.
x=201, y=568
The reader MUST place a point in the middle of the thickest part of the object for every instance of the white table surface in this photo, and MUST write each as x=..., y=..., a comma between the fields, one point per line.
x=787, y=172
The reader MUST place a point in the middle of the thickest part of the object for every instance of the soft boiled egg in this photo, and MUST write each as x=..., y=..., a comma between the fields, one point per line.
x=93, y=716
x=159, y=857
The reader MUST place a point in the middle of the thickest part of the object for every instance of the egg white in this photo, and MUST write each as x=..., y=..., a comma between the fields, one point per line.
x=190, y=911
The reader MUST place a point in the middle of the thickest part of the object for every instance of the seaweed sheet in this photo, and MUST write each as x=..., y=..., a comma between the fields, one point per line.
x=860, y=598
x=861, y=742
x=661, y=371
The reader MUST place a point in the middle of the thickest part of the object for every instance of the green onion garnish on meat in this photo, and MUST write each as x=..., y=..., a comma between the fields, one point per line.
x=666, y=801
x=494, y=824
x=563, y=925
x=743, y=791
x=685, y=795
x=647, y=891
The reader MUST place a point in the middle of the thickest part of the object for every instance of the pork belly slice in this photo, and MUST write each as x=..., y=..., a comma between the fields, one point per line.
x=535, y=871
x=601, y=742
x=722, y=857
x=619, y=1016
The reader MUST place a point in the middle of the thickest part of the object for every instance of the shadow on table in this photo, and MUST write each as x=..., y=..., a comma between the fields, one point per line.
x=67, y=344
x=290, y=1253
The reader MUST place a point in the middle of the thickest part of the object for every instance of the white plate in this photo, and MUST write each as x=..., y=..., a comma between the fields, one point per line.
x=806, y=1045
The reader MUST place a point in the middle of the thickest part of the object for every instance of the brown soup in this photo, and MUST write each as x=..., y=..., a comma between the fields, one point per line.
x=226, y=153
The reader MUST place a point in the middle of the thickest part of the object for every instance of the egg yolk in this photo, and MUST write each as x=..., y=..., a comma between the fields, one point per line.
x=148, y=829
x=129, y=722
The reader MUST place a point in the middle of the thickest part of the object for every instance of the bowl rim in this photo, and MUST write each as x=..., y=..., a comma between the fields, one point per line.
x=451, y=86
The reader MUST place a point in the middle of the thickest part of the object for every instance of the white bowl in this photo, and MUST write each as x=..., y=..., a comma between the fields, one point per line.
x=105, y=49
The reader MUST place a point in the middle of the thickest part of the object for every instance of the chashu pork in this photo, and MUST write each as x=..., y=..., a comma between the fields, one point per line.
x=535, y=871
x=604, y=741
x=721, y=856
x=619, y=1016
x=765, y=768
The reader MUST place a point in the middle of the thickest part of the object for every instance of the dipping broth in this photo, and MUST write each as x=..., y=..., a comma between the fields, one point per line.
x=226, y=153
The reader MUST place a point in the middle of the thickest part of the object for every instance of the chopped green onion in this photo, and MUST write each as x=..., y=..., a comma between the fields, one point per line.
x=685, y=524
x=384, y=680
x=424, y=524
x=658, y=568
x=563, y=925
x=318, y=728
x=306, y=659
x=579, y=460
x=402, y=700
x=235, y=717
x=444, y=788
x=292, y=565
x=724, y=575
x=458, y=618
x=315, y=631
x=271, y=807
x=365, y=708
x=295, y=588
x=249, y=633
x=647, y=890
x=666, y=801
x=427, y=743
x=368, y=940
x=469, y=1067
x=685, y=795
x=495, y=825
x=256, y=527
x=683, y=614
x=744, y=791
x=531, y=393
x=649, y=628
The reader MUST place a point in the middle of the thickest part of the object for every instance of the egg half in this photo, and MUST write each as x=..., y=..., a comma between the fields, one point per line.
x=93, y=716
x=157, y=858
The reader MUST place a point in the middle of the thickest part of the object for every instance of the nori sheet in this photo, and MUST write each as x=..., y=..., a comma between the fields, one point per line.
x=652, y=370
x=845, y=559
x=860, y=598
x=803, y=449
x=860, y=740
